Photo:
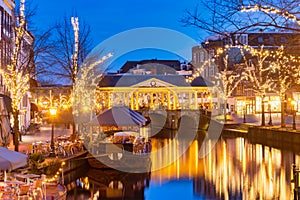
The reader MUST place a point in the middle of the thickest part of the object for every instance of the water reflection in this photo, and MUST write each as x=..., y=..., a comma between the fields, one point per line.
x=108, y=184
x=233, y=169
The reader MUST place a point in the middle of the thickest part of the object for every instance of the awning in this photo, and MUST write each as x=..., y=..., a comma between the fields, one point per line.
x=34, y=107
x=121, y=116
x=7, y=102
x=10, y=160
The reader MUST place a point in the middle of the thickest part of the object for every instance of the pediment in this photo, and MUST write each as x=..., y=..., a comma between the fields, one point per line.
x=153, y=82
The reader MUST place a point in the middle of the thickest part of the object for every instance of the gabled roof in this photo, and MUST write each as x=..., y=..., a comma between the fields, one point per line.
x=175, y=64
x=128, y=80
x=201, y=82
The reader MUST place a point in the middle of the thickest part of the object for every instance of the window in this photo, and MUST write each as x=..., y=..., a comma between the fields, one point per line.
x=24, y=101
x=211, y=53
x=271, y=39
x=211, y=70
x=241, y=38
x=283, y=40
x=260, y=40
x=194, y=57
x=201, y=56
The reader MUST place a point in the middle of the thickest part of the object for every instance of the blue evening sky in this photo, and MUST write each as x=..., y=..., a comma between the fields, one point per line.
x=108, y=18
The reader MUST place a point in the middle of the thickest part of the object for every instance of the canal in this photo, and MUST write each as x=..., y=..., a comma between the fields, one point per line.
x=231, y=168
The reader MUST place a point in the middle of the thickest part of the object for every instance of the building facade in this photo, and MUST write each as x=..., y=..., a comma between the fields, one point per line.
x=6, y=42
x=243, y=99
x=155, y=85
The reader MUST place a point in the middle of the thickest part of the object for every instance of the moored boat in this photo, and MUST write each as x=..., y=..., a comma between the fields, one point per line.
x=125, y=152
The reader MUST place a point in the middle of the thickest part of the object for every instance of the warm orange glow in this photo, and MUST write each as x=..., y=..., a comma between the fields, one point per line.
x=53, y=111
x=232, y=165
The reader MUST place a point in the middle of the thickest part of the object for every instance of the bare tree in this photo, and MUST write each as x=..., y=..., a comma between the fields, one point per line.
x=228, y=17
x=63, y=64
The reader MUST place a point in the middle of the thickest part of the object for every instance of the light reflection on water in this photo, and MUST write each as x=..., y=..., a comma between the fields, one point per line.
x=234, y=169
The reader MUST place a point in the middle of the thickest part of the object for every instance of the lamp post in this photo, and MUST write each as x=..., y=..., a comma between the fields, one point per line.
x=270, y=113
x=53, y=111
x=294, y=114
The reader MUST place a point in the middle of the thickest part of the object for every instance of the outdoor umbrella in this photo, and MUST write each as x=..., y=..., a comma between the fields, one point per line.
x=121, y=116
x=10, y=160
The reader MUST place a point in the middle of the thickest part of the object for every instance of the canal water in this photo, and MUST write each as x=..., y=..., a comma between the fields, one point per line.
x=232, y=168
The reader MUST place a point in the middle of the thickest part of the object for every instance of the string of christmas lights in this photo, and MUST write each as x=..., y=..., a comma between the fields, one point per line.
x=285, y=14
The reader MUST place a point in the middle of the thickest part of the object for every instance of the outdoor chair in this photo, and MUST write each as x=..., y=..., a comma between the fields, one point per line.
x=23, y=192
x=60, y=151
x=29, y=149
x=68, y=150
x=37, y=189
x=6, y=195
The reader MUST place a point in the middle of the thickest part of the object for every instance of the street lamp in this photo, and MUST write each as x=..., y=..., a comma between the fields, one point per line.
x=53, y=111
x=294, y=115
x=270, y=113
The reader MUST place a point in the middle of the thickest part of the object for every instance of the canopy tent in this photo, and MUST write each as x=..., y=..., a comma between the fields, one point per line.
x=10, y=160
x=120, y=116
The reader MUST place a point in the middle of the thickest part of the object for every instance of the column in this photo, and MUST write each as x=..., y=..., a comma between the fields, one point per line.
x=163, y=99
x=126, y=99
x=136, y=100
x=151, y=100
x=174, y=101
x=108, y=99
x=131, y=95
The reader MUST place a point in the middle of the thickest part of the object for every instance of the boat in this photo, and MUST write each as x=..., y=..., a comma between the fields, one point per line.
x=125, y=151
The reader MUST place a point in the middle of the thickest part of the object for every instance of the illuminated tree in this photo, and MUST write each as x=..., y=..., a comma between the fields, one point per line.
x=16, y=76
x=84, y=90
x=284, y=73
x=257, y=71
x=226, y=79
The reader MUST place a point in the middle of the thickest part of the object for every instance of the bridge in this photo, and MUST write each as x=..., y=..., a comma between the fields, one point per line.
x=174, y=119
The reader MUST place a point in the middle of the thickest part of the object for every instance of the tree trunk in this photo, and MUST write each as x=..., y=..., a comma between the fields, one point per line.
x=283, y=112
x=16, y=134
x=263, y=123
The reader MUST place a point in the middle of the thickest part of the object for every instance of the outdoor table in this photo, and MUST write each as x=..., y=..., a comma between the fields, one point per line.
x=27, y=177
x=15, y=183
